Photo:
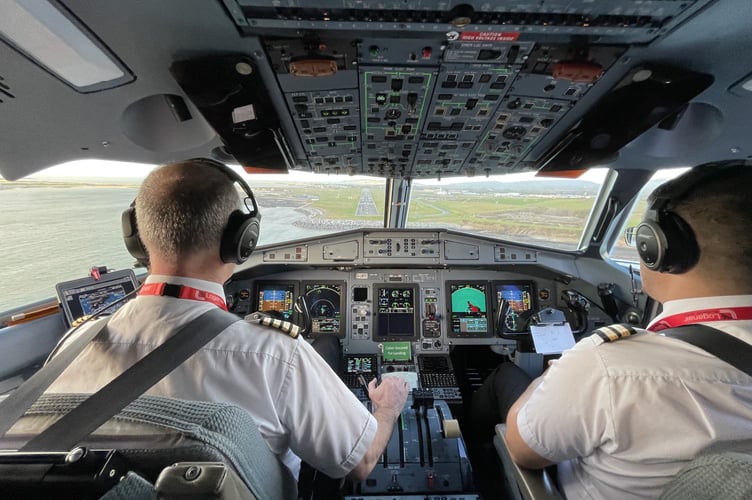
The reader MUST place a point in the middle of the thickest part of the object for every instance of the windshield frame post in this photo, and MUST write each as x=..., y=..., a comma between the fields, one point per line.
x=397, y=202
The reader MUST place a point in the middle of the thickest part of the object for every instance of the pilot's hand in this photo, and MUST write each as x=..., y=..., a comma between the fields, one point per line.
x=391, y=394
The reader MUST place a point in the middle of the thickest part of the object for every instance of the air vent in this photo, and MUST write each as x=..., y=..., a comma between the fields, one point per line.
x=444, y=17
x=5, y=91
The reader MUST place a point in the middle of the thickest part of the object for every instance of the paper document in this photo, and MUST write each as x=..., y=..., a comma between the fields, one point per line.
x=410, y=377
x=552, y=339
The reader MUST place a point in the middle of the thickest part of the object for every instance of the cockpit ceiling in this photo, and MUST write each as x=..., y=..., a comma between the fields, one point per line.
x=404, y=89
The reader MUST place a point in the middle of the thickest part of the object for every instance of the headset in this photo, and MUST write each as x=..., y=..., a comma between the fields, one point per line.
x=665, y=241
x=239, y=237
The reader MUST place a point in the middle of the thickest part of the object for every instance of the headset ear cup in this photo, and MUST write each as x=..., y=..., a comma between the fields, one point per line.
x=682, y=252
x=667, y=247
x=132, y=240
x=240, y=237
x=651, y=244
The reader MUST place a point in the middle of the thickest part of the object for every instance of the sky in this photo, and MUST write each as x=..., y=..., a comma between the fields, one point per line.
x=103, y=169
x=112, y=169
x=95, y=168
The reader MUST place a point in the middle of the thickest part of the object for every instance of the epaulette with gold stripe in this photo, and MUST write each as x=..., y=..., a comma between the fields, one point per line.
x=290, y=329
x=612, y=333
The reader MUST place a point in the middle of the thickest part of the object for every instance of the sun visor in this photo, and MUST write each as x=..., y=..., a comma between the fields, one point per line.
x=645, y=97
x=231, y=95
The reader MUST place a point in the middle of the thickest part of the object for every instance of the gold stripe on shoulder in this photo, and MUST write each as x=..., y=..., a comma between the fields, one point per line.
x=286, y=327
x=612, y=333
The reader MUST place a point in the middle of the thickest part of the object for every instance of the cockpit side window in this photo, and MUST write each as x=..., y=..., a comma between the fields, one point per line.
x=622, y=250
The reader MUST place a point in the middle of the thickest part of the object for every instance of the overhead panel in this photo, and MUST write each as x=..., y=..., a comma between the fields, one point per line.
x=431, y=89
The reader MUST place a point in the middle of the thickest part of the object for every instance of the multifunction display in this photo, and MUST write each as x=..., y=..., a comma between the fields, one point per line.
x=325, y=304
x=276, y=299
x=515, y=300
x=468, y=309
x=396, y=317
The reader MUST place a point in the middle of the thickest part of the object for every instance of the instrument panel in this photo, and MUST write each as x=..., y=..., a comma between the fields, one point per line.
x=433, y=289
x=426, y=307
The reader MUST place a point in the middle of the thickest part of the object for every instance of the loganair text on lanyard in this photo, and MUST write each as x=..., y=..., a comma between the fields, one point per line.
x=183, y=292
x=702, y=316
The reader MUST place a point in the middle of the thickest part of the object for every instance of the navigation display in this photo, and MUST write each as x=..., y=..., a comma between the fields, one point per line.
x=468, y=309
x=86, y=296
x=325, y=301
x=396, y=317
x=520, y=299
x=277, y=299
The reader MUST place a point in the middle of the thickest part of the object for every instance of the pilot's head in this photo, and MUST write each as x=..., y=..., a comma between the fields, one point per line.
x=697, y=227
x=192, y=210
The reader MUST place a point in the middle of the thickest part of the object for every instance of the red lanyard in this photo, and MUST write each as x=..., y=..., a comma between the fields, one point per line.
x=183, y=292
x=702, y=316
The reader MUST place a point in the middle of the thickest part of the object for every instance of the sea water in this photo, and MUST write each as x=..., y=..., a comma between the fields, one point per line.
x=53, y=234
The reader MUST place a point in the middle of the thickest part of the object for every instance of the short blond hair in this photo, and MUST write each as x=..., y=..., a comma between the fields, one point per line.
x=183, y=208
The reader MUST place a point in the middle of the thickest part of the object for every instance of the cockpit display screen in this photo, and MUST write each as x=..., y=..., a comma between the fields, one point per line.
x=519, y=297
x=468, y=309
x=396, y=315
x=361, y=364
x=86, y=296
x=277, y=299
x=325, y=302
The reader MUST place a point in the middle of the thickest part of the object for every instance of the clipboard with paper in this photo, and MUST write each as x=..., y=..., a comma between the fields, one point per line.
x=551, y=333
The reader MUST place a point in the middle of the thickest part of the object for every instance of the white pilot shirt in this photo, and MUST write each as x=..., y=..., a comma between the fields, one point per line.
x=296, y=399
x=624, y=417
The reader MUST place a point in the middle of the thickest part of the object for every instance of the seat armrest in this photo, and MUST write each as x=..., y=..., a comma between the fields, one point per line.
x=526, y=484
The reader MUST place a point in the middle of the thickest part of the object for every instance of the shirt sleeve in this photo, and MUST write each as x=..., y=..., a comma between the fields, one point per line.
x=570, y=413
x=329, y=427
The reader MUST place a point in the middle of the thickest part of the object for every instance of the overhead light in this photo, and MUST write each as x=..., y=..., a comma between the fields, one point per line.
x=55, y=40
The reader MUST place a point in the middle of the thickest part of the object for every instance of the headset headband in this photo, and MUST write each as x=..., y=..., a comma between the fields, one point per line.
x=232, y=175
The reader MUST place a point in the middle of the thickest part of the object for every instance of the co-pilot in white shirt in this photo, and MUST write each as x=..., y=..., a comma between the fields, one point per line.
x=635, y=411
x=301, y=406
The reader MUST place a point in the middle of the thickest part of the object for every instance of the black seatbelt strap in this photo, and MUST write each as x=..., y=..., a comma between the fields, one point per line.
x=20, y=400
x=129, y=385
x=723, y=346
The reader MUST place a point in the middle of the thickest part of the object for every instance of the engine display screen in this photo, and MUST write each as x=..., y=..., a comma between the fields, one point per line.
x=276, y=299
x=396, y=315
x=361, y=364
x=468, y=309
x=326, y=305
x=519, y=297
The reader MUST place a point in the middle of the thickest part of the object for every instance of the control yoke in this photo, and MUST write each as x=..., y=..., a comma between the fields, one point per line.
x=301, y=307
x=578, y=308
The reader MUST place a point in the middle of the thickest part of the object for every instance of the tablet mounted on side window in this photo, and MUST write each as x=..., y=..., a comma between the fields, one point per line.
x=84, y=296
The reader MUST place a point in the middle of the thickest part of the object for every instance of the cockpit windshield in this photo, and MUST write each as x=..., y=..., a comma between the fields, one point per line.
x=300, y=205
x=519, y=208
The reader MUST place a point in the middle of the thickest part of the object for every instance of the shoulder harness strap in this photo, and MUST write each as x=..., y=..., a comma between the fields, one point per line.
x=612, y=333
x=290, y=329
